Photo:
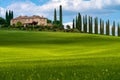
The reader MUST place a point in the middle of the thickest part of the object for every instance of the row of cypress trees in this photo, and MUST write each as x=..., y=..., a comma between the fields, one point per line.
x=60, y=21
x=8, y=16
x=88, y=24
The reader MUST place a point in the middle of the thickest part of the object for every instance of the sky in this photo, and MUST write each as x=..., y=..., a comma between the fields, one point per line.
x=105, y=9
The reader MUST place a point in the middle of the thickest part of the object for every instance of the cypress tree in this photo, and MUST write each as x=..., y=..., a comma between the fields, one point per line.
x=61, y=24
x=96, y=25
x=7, y=17
x=118, y=29
x=90, y=24
x=55, y=16
x=12, y=15
x=76, y=22
x=108, y=27
x=85, y=24
x=113, y=29
x=79, y=22
x=73, y=24
x=102, y=27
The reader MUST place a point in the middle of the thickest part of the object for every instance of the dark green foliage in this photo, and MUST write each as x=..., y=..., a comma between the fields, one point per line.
x=73, y=24
x=108, y=27
x=101, y=27
x=56, y=23
x=118, y=29
x=79, y=27
x=49, y=21
x=61, y=24
x=76, y=22
x=2, y=21
x=96, y=25
x=90, y=24
x=113, y=29
x=85, y=23
x=55, y=16
x=9, y=16
x=68, y=26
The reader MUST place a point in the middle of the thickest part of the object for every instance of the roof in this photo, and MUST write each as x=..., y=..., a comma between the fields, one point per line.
x=29, y=17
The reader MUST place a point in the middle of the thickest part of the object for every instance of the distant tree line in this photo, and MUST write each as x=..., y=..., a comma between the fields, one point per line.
x=88, y=24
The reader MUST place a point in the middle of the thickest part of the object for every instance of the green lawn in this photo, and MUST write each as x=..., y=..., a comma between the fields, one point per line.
x=29, y=55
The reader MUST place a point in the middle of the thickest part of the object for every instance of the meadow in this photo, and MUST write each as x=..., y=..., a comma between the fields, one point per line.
x=30, y=55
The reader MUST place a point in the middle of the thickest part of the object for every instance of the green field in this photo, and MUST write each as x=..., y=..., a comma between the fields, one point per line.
x=29, y=55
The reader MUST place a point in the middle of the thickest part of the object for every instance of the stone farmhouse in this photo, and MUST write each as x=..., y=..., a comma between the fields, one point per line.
x=30, y=20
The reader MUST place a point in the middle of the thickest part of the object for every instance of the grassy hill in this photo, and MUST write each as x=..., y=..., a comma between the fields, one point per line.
x=32, y=55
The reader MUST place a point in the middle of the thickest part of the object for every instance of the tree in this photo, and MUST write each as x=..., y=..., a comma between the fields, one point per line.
x=49, y=21
x=19, y=24
x=101, y=27
x=118, y=29
x=79, y=22
x=113, y=29
x=96, y=25
x=90, y=24
x=61, y=24
x=68, y=26
x=85, y=23
x=108, y=27
x=76, y=22
x=55, y=16
x=73, y=24
x=2, y=21
x=8, y=16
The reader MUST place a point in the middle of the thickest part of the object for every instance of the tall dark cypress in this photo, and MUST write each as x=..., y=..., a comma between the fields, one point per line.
x=73, y=24
x=85, y=24
x=102, y=27
x=108, y=27
x=76, y=22
x=7, y=17
x=61, y=24
x=96, y=25
x=12, y=15
x=90, y=24
x=118, y=29
x=55, y=16
x=113, y=29
x=79, y=22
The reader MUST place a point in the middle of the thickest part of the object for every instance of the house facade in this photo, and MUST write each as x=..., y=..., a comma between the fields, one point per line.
x=29, y=20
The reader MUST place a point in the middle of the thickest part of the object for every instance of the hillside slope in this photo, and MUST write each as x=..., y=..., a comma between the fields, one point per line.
x=32, y=55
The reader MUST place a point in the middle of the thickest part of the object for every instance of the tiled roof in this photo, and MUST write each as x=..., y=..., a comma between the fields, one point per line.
x=29, y=17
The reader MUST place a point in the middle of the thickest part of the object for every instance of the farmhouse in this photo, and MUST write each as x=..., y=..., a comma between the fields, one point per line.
x=30, y=20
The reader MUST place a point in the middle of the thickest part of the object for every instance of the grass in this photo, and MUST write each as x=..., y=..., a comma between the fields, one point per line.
x=29, y=55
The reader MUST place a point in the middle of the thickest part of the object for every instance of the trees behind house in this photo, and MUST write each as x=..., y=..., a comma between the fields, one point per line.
x=9, y=15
